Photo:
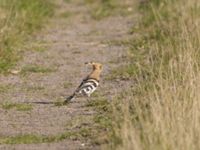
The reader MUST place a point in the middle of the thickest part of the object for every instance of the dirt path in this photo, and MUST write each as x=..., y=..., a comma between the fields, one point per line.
x=62, y=48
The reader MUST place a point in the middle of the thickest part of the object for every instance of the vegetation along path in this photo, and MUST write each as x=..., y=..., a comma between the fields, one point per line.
x=52, y=67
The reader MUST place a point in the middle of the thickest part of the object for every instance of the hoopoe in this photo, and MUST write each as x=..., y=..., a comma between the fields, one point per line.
x=89, y=84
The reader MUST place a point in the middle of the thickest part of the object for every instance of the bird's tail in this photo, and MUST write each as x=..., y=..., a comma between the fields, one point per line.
x=68, y=99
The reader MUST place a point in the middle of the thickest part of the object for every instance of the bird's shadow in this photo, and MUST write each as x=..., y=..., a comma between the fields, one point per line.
x=43, y=103
x=58, y=103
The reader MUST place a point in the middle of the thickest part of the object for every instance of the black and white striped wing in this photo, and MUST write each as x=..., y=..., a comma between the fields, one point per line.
x=87, y=87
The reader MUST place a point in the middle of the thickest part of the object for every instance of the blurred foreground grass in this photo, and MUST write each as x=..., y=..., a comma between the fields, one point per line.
x=161, y=110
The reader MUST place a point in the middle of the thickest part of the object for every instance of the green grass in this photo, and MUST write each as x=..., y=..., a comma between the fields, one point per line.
x=5, y=88
x=96, y=127
x=124, y=72
x=22, y=139
x=66, y=14
x=60, y=103
x=67, y=85
x=35, y=88
x=104, y=8
x=17, y=106
x=35, y=139
x=36, y=69
x=99, y=104
x=102, y=120
x=40, y=48
x=67, y=1
x=18, y=19
x=31, y=139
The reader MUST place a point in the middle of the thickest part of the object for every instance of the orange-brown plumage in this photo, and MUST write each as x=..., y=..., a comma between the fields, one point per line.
x=97, y=69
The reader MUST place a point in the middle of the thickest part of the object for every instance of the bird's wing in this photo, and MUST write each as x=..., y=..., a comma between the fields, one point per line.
x=82, y=83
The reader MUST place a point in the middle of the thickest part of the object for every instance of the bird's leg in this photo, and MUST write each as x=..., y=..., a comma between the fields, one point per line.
x=88, y=96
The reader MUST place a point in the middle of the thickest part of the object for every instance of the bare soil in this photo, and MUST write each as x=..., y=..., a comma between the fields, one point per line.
x=68, y=43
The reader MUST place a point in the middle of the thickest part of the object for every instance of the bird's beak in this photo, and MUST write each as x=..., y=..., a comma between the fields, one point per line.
x=88, y=63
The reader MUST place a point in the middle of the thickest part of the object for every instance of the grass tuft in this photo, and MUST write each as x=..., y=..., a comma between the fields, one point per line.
x=36, y=69
x=123, y=73
x=35, y=139
x=17, y=106
x=5, y=88
x=67, y=85
x=66, y=14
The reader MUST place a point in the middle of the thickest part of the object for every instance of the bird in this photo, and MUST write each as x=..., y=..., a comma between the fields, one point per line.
x=89, y=84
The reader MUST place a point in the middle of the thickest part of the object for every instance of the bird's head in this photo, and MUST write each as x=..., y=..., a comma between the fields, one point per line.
x=95, y=65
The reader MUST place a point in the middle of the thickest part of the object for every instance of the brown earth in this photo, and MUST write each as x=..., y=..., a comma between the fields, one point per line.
x=63, y=46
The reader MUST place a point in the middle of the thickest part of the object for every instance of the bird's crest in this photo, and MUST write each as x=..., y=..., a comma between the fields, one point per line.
x=95, y=65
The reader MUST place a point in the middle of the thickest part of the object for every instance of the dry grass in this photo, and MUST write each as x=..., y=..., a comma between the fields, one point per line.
x=161, y=112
